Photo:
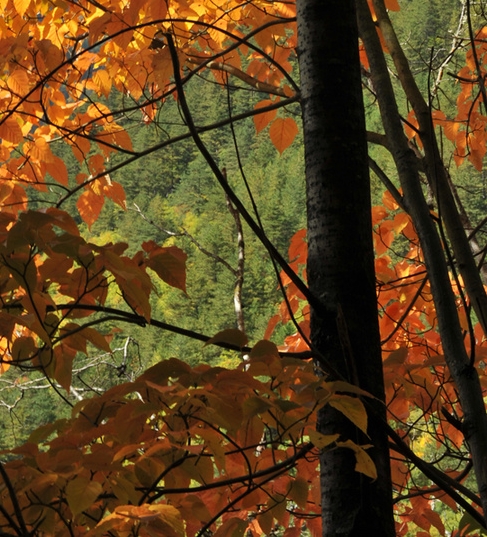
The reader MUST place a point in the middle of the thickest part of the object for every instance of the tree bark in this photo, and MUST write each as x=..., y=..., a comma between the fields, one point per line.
x=344, y=326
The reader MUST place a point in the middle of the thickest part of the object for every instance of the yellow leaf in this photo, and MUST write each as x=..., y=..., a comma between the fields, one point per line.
x=282, y=133
x=21, y=6
x=322, y=440
x=352, y=408
x=81, y=493
x=167, y=514
x=365, y=465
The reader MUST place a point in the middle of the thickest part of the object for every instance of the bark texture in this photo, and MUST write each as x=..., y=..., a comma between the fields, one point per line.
x=344, y=326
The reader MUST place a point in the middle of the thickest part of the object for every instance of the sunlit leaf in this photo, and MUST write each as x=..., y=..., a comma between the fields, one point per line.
x=89, y=206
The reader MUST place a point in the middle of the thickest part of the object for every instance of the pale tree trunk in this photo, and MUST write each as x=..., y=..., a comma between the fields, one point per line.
x=340, y=263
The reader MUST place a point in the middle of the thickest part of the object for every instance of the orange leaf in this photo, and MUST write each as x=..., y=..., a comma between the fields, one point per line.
x=57, y=170
x=18, y=82
x=95, y=338
x=271, y=325
x=264, y=349
x=22, y=349
x=282, y=133
x=263, y=119
x=89, y=206
x=392, y=5
x=10, y=130
x=103, y=82
x=116, y=193
x=298, y=248
x=299, y=492
x=63, y=365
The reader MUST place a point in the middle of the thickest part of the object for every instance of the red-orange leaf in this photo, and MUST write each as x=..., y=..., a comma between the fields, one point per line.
x=170, y=265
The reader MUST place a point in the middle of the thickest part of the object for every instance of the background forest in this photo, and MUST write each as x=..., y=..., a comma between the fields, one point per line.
x=173, y=198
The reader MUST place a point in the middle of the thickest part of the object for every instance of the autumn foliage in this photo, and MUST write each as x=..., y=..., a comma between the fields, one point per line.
x=189, y=451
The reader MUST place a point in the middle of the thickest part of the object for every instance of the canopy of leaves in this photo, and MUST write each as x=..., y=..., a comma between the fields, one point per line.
x=94, y=106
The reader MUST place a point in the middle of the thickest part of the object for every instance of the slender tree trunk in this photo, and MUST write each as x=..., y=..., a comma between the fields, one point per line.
x=463, y=372
x=340, y=259
x=436, y=173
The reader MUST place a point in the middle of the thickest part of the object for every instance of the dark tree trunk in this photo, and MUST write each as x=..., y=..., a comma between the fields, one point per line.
x=340, y=264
